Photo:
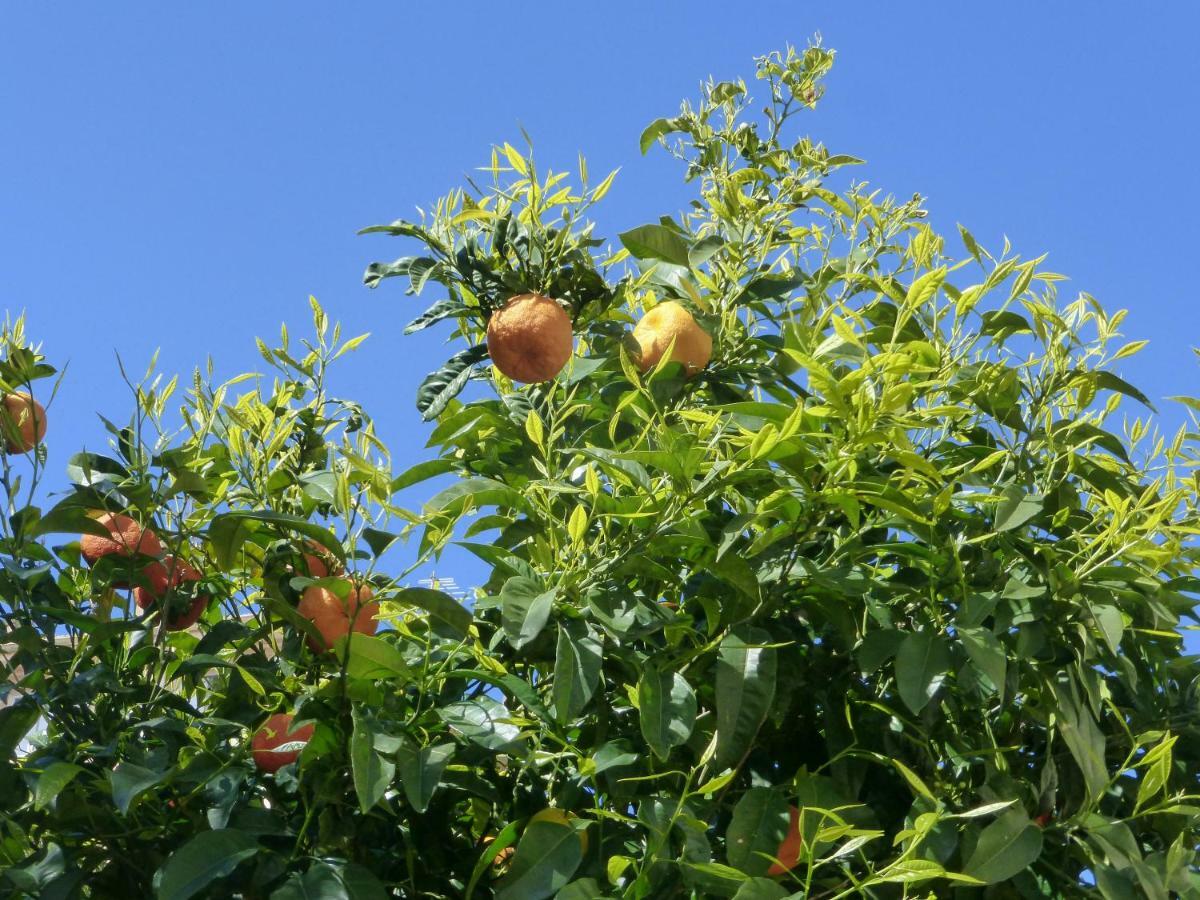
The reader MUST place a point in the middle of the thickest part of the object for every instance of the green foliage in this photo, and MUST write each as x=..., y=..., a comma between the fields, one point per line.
x=891, y=560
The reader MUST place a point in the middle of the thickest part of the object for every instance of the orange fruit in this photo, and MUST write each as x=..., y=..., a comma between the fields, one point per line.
x=790, y=848
x=335, y=617
x=163, y=577
x=23, y=421
x=560, y=817
x=504, y=857
x=667, y=322
x=529, y=339
x=319, y=562
x=274, y=732
x=125, y=538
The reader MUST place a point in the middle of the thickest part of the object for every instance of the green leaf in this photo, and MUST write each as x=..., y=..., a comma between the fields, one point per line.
x=50, y=783
x=525, y=609
x=320, y=882
x=1005, y=848
x=1016, y=507
x=128, y=780
x=202, y=860
x=372, y=770
x=761, y=889
x=987, y=654
x=921, y=661
x=482, y=721
x=546, y=859
x=444, y=608
x=576, y=667
x=745, y=690
x=1109, y=381
x=656, y=129
x=1081, y=734
x=656, y=242
x=668, y=708
x=704, y=249
x=583, y=889
x=421, y=770
x=442, y=386
x=374, y=657
x=759, y=825
x=449, y=308
x=228, y=532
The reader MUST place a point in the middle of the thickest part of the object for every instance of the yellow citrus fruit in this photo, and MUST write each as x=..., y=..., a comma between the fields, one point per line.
x=23, y=421
x=272, y=733
x=790, y=848
x=335, y=617
x=560, y=817
x=665, y=323
x=529, y=339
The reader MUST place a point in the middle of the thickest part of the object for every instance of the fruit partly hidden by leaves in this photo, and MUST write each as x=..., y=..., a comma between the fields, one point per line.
x=162, y=578
x=530, y=338
x=561, y=817
x=334, y=617
x=22, y=422
x=319, y=562
x=277, y=744
x=501, y=860
x=665, y=323
x=791, y=848
x=126, y=538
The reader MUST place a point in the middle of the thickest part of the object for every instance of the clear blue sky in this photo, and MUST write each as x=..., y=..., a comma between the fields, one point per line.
x=183, y=176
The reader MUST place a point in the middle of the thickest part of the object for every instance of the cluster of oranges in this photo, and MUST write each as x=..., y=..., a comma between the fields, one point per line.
x=529, y=338
x=275, y=743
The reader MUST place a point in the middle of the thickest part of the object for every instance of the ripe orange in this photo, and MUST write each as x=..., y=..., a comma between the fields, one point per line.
x=125, y=538
x=529, y=339
x=22, y=422
x=668, y=322
x=318, y=561
x=790, y=848
x=560, y=817
x=333, y=616
x=274, y=732
x=163, y=576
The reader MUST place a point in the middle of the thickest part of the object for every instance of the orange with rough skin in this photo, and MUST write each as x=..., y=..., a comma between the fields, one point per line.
x=530, y=338
x=561, y=817
x=334, y=617
x=274, y=732
x=319, y=561
x=790, y=848
x=23, y=422
x=162, y=577
x=665, y=323
x=125, y=538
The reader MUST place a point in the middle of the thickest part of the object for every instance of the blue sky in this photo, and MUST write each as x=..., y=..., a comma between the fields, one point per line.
x=182, y=177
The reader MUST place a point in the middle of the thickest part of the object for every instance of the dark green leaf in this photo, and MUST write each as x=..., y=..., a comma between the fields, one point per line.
x=668, y=708
x=1006, y=847
x=576, y=667
x=441, y=606
x=759, y=825
x=372, y=770
x=745, y=690
x=202, y=860
x=483, y=721
x=1017, y=507
x=128, y=781
x=421, y=770
x=442, y=386
x=525, y=610
x=656, y=242
x=921, y=661
x=546, y=859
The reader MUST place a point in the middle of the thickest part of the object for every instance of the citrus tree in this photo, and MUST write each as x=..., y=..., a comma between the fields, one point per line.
x=826, y=557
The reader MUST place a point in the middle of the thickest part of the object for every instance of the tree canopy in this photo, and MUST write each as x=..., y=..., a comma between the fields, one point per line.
x=883, y=601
